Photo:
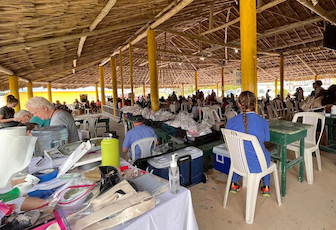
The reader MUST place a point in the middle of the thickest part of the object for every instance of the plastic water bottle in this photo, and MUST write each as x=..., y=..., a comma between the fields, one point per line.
x=174, y=176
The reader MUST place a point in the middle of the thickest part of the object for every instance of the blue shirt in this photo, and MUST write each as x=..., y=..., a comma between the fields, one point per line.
x=256, y=126
x=136, y=134
x=40, y=122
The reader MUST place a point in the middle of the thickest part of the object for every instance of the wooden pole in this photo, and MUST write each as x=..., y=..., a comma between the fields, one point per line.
x=30, y=90
x=196, y=82
x=14, y=90
x=281, y=78
x=223, y=82
x=114, y=84
x=276, y=87
x=121, y=79
x=153, y=71
x=217, y=87
x=316, y=77
x=131, y=72
x=97, y=95
x=248, y=35
x=49, y=92
x=182, y=89
x=144, y=90
x=102, y=85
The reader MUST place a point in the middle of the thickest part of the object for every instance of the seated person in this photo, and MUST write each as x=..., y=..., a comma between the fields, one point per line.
x=77, y=104
x=194, y=111
x=58, y=104
x=24, y=116
x=139, y=131
x=98, y=103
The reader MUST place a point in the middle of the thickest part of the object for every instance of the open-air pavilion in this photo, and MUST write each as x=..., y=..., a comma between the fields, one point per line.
x=69, y=44
x=156, y=44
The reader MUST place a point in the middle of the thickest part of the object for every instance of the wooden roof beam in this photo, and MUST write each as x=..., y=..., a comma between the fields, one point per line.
x=306, y=64
x=297, y=43
x=159, y=21
x=183, y=54
x=282, y=29
x=211, y=42
x=29, y=45
x=94, y=24
x=259, y=10
x=318, y=10
x=6, y=71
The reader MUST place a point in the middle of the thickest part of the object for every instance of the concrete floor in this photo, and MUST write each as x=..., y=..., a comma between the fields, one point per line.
x=304, y=207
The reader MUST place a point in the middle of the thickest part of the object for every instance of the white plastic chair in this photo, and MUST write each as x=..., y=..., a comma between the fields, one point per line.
x=290, y=110
x=213, y=116
x=235, y=143
x=219, y=111
x=90, y=124
x=204, y=111
x=296, y=103
x=145, y=145
x=310, y=143
x=272, y=112
x=229, y=112
x=280, y=108
x=185, y=106
x=261, y=111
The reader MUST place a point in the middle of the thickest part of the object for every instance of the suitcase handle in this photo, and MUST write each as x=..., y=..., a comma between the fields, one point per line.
x=219, y=161
x=185, y=159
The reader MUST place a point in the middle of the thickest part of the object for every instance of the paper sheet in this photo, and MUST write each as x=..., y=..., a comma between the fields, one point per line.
x=16, y=151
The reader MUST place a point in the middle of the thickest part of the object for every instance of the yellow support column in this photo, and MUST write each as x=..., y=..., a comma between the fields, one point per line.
x=316, y=77
x=217, y=87
x=30, y=90
x=276, y=87
x=144, y=90
x=182, y=89
x=114, y=84
x=131, y=71
x=97, y=95
x=196, y=82
x=153, y=71
x=102, y=86
x=223, y=82
x=14, y=90
x=248, y=37
x=282, y=78
x=49, y=92
x=121, y=80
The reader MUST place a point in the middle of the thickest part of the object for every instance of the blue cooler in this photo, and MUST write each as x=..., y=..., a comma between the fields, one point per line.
x=191, y=165
x=222, y=159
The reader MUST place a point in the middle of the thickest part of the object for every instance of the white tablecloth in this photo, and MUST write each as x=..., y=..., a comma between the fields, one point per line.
x=174, y=212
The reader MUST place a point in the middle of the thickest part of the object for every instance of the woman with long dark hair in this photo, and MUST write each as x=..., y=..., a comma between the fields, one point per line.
x=7, y=112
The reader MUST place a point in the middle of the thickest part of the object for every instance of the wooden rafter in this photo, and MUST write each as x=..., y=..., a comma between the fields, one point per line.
x=319, y=11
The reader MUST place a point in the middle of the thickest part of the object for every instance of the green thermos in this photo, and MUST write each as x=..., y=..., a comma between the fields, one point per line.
x=110, y=149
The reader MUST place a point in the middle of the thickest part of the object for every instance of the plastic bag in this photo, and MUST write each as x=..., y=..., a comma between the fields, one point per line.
x=73, y=196
x=159, y=149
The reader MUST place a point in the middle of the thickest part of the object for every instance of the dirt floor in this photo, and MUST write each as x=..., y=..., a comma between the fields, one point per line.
x=304, y=207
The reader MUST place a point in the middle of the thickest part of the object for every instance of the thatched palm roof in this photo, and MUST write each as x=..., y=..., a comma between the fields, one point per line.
x=39, y=40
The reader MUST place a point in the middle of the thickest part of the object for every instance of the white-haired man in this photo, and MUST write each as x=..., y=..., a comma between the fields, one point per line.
x=42, y=108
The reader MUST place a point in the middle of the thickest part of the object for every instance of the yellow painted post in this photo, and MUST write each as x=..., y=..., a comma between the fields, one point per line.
x=217, y=86
x=316, y=77
x=114, y=84
x=144, y=90
x=131, y=71
x=30, y=89
x=97, y=95
x=223, y=82
x=14, y=90
x=196, y=81
x=182, y=89
x=276, y=87
x=121, y=80
x=281, y=77
x=49, y=92
x=153, y=71
x=248, y=37
x=102, y=85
